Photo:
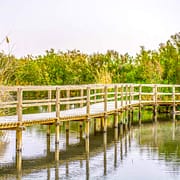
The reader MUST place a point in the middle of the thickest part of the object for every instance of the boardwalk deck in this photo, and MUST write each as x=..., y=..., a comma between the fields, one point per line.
x=96, y=110
x=70, y=115
x=89, y=100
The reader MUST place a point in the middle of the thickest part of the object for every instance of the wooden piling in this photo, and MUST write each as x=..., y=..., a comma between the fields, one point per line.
x=48, y=145
x=81, y=130
x=57, y=152
x=116, y=120
x=67, y=133
x=19, y=150
x=95, y=126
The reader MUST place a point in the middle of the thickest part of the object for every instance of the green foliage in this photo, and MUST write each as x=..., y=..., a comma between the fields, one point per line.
x=74, y=67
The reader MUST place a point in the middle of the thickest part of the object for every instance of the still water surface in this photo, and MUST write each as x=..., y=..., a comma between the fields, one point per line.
x=151, y=151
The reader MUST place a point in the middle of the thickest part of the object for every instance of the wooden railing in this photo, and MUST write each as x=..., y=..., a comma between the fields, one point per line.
x=71, y=97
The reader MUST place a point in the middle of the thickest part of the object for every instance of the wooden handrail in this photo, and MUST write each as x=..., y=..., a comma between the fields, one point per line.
x=84, y=95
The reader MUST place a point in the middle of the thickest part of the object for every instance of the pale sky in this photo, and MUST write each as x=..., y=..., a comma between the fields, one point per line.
x=34, y=26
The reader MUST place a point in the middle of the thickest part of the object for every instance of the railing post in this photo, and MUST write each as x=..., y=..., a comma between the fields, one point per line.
x=132, y=92
x=49, y=98
x=140, y=98
x=155, y=94
x=95, y=95
x=88, y=103
x=131, y=104
x=67, y=123
x=122, y=96
x=57, y=103
x=19, y=103
x=155, y=102
x=116, y=106
x=19, y=131
x=105, y=108
x=81, y=94
x=116, y=97
x=67, y=96
x=49, y=110
x=105, y=99
x=57, y=124
x=126, y=94
x=174, y=99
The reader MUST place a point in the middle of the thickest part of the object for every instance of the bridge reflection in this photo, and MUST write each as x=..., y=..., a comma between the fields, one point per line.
x=118, y=138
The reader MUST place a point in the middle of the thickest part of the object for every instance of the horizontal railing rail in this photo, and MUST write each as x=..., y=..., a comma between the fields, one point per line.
x=59, y=98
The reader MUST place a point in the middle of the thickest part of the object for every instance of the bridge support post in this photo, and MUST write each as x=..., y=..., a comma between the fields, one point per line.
x=80, y=130
x=102, y=124
x=121, y=129
x=132, y=115
x=67, y=133
x=155, y=113
x=105, y=124
x=115, y=134
x=57, y=141
x=139, y=116
x=87, y=135
x=48, y=143
x=116, y=120
x=95, y=126
x=19, y=149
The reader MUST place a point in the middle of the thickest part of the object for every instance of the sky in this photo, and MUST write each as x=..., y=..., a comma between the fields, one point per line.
x=34, y=26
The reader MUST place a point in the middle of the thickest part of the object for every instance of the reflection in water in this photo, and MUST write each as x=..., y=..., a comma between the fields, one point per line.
x=115, y=154
x=87, y=166
x=105, y=155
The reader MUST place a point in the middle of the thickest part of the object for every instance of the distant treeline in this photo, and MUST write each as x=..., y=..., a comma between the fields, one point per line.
x=73, y=67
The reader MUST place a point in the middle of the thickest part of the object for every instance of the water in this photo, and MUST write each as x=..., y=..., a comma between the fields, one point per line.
x=151, y=151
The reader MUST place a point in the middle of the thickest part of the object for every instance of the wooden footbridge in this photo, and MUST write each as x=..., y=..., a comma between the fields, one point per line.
x=59, y=104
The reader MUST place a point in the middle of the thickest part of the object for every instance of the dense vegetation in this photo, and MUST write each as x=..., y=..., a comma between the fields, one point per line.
x=73, y=67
